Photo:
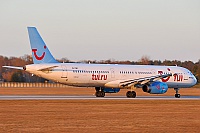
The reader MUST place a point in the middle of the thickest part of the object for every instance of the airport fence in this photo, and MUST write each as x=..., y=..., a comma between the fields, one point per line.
x=30, y=85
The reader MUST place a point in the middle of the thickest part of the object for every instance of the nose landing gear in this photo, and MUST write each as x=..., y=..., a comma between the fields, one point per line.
x=177, y=95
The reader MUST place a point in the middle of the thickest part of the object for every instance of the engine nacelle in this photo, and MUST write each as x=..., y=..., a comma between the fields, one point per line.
x=155, y=88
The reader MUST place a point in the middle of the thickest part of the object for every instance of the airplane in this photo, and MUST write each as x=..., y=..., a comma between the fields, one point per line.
x=105, y=78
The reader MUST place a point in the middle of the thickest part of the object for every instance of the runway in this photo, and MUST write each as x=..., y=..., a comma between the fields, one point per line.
x=67, y=97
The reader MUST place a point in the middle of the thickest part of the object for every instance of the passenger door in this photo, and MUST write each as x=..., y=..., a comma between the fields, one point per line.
x=64, y=71
x=112, y=71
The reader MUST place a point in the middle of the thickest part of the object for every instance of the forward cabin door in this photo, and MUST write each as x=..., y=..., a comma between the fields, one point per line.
x=64, y=71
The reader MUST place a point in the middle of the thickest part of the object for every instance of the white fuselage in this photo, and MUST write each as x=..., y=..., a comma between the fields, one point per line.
x=98, y=75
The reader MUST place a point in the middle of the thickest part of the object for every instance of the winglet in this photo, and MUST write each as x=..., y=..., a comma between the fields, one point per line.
x=40, y=51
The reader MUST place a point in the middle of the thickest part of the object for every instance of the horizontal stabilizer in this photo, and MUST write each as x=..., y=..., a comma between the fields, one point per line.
x=13, y=67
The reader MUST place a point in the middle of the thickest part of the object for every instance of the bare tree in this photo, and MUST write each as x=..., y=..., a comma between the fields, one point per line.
x=145, y=60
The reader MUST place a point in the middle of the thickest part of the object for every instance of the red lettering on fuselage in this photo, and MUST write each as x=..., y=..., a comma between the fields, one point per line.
x=178, y=77
x=99, y=77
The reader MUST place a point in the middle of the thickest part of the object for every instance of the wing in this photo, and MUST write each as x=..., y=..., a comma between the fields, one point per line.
x=132, y=82
x=142, y=81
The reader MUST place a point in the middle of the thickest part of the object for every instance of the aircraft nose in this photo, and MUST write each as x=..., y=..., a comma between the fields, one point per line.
x=195, y=80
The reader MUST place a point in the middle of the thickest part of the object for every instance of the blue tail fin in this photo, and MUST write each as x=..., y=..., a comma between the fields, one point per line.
x=40, y=52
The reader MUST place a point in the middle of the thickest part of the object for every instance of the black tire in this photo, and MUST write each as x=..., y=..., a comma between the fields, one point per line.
x=102, y=94
x=98, y=94
x=177, y=95
x=128, y=94
x=131, y=94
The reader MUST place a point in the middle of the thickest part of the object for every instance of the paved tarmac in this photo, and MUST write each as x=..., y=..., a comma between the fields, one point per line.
x=67, y=97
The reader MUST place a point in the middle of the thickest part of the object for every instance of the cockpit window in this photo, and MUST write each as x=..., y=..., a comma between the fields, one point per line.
x=190, y=73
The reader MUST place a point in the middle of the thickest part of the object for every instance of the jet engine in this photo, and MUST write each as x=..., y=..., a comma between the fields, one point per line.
x=155, y=88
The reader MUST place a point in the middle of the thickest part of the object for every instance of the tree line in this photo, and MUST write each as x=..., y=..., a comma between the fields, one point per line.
x=11, y=75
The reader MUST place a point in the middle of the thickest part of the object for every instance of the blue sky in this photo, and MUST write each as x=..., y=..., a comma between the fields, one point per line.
x=104, y=29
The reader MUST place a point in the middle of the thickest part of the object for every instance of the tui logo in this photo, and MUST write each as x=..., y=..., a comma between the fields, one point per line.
x=39, y=57
x=164, y=79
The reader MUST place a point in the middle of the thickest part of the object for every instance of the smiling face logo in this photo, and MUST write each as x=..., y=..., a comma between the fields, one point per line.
x=39, y=57
x=164, y=79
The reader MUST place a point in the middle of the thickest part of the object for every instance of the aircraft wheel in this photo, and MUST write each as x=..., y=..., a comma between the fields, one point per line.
x=102, y=94
x=131, y=94
x=177, y=95
x=128, y=94
x=98, y=94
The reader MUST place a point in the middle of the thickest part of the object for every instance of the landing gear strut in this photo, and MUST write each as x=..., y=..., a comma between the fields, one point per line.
x=131, y=94
x=99, y=92
x=177, y=95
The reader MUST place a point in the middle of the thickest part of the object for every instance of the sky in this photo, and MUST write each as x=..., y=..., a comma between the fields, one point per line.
x=104, y=29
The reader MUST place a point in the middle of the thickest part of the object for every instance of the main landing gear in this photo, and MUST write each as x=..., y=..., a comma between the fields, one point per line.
x=177, y=95
x=99, y=92
x=131, y=94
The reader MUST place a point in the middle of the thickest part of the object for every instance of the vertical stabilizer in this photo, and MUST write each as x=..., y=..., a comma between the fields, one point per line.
x=40, y=51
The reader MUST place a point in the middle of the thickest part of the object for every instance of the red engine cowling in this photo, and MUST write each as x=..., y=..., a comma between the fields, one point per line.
x=155, y=88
